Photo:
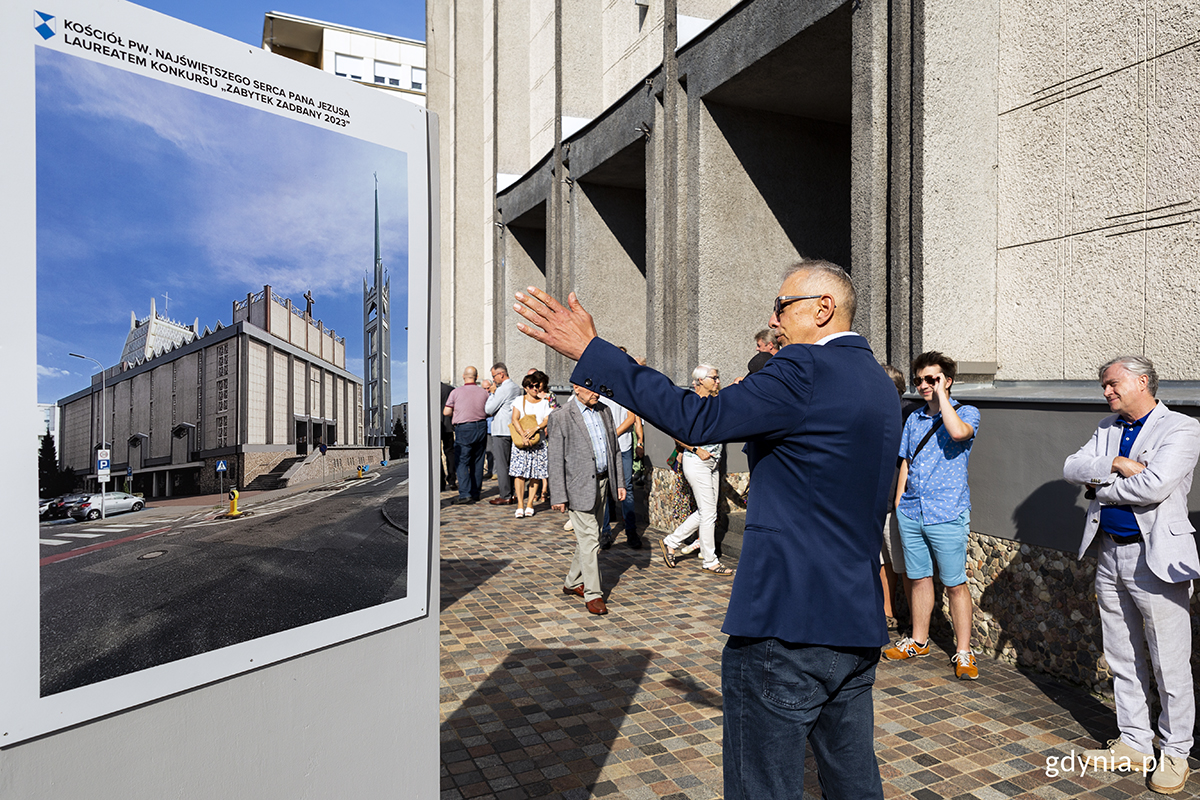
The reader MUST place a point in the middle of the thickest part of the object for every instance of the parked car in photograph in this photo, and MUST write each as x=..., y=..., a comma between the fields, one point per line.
x=114, y=503
x=59, y=506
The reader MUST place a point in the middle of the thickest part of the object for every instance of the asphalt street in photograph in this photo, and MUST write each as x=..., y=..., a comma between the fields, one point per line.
x=124, y=601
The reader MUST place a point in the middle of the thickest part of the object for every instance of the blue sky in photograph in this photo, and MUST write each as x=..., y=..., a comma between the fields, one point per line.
x=240, y=20
x=146, y=189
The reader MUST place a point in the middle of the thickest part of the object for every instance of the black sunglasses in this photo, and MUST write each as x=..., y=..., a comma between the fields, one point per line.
x=784, y=301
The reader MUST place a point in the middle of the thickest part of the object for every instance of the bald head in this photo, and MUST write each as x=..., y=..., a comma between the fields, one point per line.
x=470, y=375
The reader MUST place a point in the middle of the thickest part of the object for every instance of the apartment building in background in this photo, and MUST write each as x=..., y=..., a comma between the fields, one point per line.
x=377, y=59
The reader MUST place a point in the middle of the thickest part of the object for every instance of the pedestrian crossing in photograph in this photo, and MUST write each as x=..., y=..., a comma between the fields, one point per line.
x=57, y=538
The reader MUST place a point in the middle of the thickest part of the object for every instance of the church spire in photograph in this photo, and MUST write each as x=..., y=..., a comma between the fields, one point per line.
x=377, y=349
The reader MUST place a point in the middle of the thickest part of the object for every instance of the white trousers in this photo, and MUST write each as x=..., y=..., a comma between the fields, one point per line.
x=1137, y=608
x=703, y=479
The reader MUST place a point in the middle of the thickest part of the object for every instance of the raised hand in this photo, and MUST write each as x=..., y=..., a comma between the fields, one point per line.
x=566, y=330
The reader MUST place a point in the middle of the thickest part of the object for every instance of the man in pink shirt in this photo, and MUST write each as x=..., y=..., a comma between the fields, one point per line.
x=465, y=407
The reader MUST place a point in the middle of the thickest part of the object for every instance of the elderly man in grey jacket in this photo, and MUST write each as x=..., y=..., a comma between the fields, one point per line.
x=585, y=465
x=1138, y=470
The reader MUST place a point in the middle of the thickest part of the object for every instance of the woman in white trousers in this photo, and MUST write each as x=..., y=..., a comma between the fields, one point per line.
x=700, y=464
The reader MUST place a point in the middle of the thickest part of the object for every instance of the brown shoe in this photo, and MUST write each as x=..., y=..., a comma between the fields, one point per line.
x=597, y=606
x=503, y=501
x=575, y=590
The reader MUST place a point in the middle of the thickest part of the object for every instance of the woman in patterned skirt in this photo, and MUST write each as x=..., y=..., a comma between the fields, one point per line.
x=529, y=464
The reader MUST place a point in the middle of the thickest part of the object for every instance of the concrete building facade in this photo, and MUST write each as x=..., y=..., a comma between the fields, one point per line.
x=1011, y=182
x=381, y=60
x=270, y=388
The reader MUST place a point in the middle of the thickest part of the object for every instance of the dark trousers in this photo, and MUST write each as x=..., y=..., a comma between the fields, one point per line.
x=777, y=695
x=501, y=447
x=451, y=462
x=469, y=441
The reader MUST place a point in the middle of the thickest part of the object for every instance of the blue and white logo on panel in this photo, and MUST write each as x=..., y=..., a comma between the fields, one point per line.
x=222, y=466
x=103, y=464
x=43, y=24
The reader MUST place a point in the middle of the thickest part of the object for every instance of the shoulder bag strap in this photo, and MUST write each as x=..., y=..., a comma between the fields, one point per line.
x=928, y=436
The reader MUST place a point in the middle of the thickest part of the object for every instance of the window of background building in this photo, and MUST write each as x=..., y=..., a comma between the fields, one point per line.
x=388, y=74
x=348, y=66
x=418, y=78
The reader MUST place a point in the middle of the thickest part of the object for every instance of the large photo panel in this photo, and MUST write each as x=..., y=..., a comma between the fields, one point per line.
x=220, y=310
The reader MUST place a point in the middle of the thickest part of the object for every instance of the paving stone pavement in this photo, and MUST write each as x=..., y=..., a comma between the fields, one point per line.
x=541, y=699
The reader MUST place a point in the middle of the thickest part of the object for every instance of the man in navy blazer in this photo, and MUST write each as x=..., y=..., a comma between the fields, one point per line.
x=805, y=619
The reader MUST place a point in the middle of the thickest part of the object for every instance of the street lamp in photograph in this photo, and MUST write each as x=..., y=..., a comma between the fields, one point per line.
x=103, y=423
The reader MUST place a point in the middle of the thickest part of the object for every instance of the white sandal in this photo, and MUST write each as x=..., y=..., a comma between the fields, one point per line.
x=529, y=511
x=519, y=513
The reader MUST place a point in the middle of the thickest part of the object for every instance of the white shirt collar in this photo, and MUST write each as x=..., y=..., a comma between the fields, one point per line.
x=833, y=336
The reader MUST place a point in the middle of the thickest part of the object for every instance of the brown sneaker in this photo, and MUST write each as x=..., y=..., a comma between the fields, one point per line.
x=964, y=666
x=906, y=648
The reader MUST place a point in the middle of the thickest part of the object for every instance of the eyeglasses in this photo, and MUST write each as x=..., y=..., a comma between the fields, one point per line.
x=784, y=301
x=929, y=379
x=716, y=378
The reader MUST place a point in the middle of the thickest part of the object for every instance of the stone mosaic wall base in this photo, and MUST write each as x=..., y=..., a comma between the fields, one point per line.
x=671, y=501
x=1035, y=607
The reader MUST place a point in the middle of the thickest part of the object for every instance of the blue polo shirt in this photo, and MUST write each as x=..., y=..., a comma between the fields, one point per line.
x=937, y=489
x=1119, y=520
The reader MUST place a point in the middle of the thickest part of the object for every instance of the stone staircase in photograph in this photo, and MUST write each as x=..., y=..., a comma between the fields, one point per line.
x=275, y=478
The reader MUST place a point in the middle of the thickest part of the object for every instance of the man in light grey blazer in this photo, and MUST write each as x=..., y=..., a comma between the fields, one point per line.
x=1138, y=470
x=585, y=466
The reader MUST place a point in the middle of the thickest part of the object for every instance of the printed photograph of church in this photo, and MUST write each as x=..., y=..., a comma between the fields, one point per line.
x=262, y=394
x=275, y=238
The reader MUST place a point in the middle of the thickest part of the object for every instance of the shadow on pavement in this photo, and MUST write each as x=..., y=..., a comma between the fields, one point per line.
x=551, y=718
x=459, y=576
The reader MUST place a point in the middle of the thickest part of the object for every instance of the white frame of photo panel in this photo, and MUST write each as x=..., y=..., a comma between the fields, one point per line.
x=108, y=31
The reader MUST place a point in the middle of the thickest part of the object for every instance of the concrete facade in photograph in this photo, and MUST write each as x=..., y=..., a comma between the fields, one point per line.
x=266, y=390
x=1011, y=183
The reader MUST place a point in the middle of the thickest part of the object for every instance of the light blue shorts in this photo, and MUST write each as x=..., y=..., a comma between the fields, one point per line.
x=945, y=542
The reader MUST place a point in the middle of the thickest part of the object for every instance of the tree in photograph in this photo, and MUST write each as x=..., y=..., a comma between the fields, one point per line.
x=398, y=442
x=48, y=474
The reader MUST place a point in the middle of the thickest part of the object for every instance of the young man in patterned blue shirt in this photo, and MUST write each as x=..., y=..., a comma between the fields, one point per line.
x=933, y=508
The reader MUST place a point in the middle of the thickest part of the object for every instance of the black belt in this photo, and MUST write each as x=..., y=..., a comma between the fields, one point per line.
x=470, y=422
x=1137, y=537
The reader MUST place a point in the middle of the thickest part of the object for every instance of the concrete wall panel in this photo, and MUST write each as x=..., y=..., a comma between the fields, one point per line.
x=1031, y=35
x=583, y=63
x=1104, y=311
x=256, y=411
x=1173, y=300
x=959, y=156
x=1031, y=174
x=1103, y=35
x=160, y=413
x=1173, y=137
x=1105, y=153
x=512, y=129
x=1029, y=311
x=541, y=77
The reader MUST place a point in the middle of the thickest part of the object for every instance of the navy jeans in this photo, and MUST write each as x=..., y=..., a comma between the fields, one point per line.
x=776, y=696
x=627, y=508
x=469, y=441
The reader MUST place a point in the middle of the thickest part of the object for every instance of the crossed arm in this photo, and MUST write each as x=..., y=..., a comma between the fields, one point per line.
x=1146, y=480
